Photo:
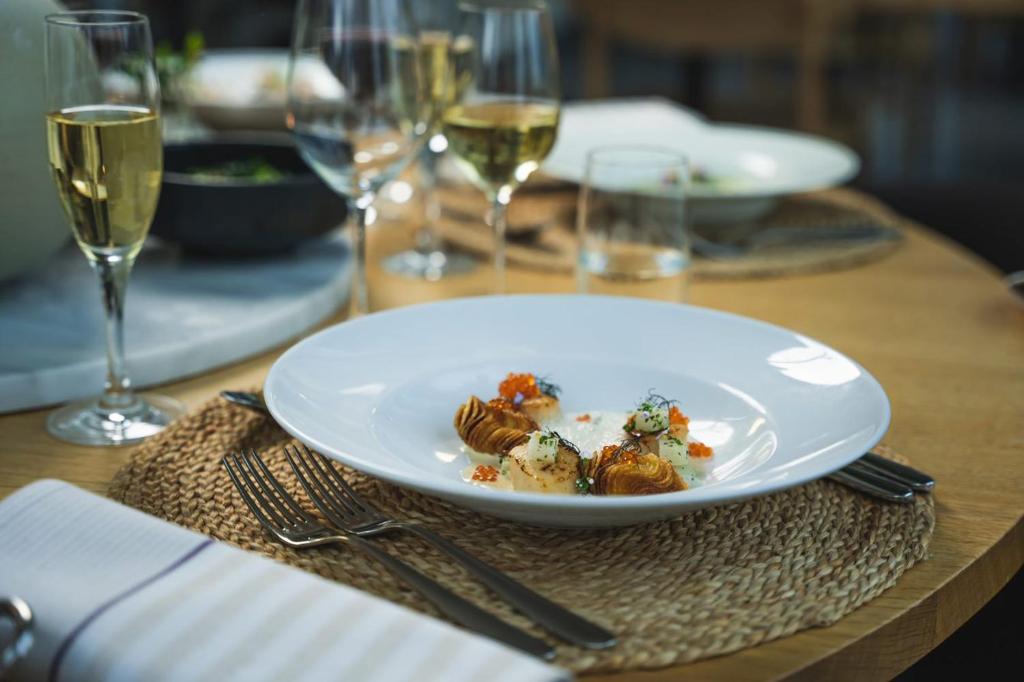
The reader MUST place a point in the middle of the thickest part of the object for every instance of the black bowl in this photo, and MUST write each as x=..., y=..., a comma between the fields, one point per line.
x=241, y=217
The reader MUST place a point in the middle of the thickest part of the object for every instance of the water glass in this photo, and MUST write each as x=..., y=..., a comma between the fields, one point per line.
x=632, y=224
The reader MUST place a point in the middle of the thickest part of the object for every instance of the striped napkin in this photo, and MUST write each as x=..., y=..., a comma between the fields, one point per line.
x=119, y=595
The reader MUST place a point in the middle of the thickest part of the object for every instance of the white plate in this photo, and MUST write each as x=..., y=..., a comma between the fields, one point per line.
x=245, y=89
x=757, y=163
x=379, y=394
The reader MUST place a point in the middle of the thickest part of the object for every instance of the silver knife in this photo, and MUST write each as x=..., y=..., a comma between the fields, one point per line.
x=918, y=480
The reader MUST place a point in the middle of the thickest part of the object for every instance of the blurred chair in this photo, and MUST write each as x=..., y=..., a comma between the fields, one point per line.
x=798, y=29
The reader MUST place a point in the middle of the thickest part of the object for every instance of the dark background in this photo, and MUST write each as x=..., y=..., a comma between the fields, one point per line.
x=930, y=94
x=932, y=99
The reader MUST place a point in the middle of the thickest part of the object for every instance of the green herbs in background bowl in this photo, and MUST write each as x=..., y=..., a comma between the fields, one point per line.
x=719, y=184
x=254, y=169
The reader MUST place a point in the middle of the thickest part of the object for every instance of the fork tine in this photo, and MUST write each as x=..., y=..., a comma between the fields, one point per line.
x=309, y=460
x=339, y=483
x=259, y=492
x=321, y=497
x=289, y=517
x=285, y=496
x=230, y=463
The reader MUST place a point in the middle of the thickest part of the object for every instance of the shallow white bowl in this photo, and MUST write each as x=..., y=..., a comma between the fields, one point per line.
x=760, y=164
x=379, y=394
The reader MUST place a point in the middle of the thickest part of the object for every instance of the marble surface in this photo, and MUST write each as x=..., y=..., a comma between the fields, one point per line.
x=183, y=316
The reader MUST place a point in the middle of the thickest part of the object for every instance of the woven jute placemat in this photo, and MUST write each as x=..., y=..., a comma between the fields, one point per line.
x=707, y=583
x=542, y=231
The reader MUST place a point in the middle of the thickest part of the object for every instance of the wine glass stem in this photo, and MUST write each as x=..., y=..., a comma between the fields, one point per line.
x=427, y=240
x=360, y=297
x=499, y=222
x=113, y=274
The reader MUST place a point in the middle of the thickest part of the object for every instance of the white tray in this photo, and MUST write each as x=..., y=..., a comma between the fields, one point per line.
x=183, y=316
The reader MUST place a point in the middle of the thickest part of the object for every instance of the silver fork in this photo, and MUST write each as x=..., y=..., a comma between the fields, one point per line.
x=343, y=507
x=282, y=517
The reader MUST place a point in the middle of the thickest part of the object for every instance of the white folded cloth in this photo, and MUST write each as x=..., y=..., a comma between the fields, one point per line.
x=119, y=595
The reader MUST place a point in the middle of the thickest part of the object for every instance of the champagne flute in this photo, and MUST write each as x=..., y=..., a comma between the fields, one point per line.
x=355, y=105
x=106, y=157
x=439, y=56
x=503, y=125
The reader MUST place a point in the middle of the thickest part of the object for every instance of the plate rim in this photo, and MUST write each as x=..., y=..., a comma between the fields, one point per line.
x=850, y=157
x=469, y=495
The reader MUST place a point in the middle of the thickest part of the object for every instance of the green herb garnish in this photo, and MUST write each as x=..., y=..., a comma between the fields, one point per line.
x=547, y=388
x=655, y=401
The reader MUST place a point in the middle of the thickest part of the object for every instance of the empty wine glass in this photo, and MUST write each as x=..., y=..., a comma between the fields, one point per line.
x=106, y=157
x=504, y=119
x=355, y=103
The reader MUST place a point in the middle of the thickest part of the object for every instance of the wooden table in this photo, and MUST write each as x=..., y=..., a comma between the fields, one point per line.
x=931, y=322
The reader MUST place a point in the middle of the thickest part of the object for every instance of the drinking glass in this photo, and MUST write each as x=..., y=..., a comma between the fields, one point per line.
x=439, y=52
x=504, y=120
x=631, y=223
x=106, y=157
x=355, y=104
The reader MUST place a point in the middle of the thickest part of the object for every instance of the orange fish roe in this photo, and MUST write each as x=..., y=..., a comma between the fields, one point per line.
x=622, y=456
x=583, y=418
x=501, y=404
x=676, y=416
x=485, y=473
x=699, y=450
x=518, y=387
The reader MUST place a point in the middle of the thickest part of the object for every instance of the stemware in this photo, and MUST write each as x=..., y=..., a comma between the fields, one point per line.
x=439, y=54
x=106, y=159
x=504, y=118
x=355, y=104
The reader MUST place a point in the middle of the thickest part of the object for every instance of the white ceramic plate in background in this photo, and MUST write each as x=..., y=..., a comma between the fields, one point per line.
x=246, y=89
x=379, y=394
x=753, y=165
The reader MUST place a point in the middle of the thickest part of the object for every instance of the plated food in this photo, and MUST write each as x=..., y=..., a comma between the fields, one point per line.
x=379, y=393
x=521, y=440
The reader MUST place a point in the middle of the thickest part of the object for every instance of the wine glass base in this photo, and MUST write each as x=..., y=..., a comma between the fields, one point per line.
x=86, y=422
x=431, y=266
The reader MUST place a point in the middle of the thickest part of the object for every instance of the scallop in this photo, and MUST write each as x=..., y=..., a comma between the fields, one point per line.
x=632, y=473
x=541, y=409
x=536, y=476
x=490, y=427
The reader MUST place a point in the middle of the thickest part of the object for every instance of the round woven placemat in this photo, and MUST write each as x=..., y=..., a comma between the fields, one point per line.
x=542, y=231
x=707, y=583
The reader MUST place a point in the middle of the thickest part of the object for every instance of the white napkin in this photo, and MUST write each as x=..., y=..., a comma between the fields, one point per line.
x=119, y=595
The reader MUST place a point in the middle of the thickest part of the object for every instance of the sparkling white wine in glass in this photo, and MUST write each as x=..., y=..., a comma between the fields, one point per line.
x=503, y=120
x=441, y=57
x=106, y=158
x=106, y=162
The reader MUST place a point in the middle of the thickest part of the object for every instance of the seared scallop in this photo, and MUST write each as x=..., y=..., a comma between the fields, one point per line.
x=539, y=476
x=541, y=409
